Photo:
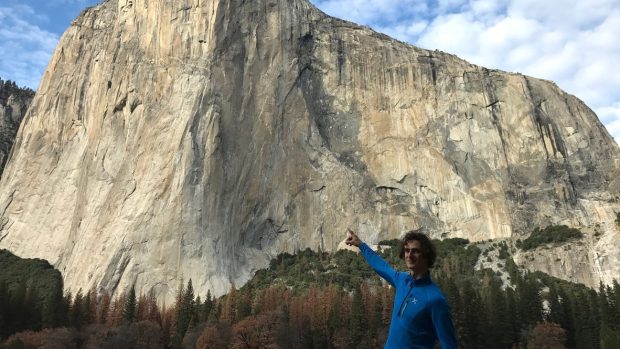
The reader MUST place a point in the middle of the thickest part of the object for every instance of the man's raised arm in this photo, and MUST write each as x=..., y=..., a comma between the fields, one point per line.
x=374, y=260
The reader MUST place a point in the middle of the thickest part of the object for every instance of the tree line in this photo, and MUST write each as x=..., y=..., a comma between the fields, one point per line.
x=319, y=300
x=8, y=87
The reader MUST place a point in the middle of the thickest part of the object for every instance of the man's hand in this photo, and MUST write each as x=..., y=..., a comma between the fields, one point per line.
x=352, y=239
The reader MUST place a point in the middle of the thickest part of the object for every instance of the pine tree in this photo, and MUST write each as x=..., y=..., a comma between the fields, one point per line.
x=530, y=302
x=53, y=307
x=168, y=326
x=566, y=316
x=283, y=330
x=605, y=305
x=471, y=334
x=104, y=308
x=615, y=301
x=511, y=304
x=185, y=310
x=582, y=325
x=332, y=306
x=555, y=311
x=4, y=308
x=197, y=309
x=93, y=310
x=244, y=304
x=65, y=315
x=373, y=310
x=357, y=326
x=451, y=292
x=89, y=307
x=610, y=337
x=115, y=314
x=31, y=311
x=207, y=307
x=497, y=310
x=76, y=316
x=592, y=319
x=228, y=310
x=17, y=301
x=142, y=309
x=129, y=310
x=154, y=314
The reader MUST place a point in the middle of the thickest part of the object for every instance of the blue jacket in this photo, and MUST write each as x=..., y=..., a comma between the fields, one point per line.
x=421, y=314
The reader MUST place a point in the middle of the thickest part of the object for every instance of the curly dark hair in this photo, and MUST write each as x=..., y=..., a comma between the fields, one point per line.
x=428, y=249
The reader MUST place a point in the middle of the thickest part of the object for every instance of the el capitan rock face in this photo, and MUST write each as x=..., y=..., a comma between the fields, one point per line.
x=197, y=139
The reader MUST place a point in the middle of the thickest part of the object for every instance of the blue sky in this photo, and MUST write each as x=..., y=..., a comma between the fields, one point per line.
x=572, y=42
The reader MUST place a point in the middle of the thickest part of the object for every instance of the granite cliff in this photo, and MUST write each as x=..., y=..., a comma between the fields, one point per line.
x=197, y=139
x=14, y=102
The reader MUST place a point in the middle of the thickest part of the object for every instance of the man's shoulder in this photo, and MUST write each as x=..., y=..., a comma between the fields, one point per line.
x=435, y=295
x=401, y=276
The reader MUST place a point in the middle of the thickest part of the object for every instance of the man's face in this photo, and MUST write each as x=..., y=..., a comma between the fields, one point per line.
x=414, y=257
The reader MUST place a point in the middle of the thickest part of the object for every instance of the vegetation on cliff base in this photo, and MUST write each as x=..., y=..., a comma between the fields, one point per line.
x=31, y=294
x=553, y=234
x=322, y=300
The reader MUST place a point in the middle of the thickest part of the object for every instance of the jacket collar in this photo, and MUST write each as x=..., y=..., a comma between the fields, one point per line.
x=424, y=280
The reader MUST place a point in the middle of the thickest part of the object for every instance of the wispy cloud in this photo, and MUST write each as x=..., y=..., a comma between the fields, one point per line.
x=572, y=42
x=374, y=12
x=26, y=47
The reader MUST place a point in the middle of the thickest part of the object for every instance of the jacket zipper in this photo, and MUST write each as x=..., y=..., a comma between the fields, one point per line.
x=402, y=309
x=404, y=304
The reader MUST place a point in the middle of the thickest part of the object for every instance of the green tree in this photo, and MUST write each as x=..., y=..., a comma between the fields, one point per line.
x=76, y=317
x=498, y=317
x=552, y=234
x=4, y=298
x=471, y=334
x=244, y=303
x=610, y=337
x=207, y=307
x=185, y=310
x=530, y=301
x=17, y=305
x=31, y=309
x=104, y=308
x=615, y=300
x=358, y=321
x=129, y=310
x=605, y=305
x=89, y=307
x=513, y=316
x=53, y=307
x=283, y=330
x=555, y=308
x=589, y=329
x=567, y=316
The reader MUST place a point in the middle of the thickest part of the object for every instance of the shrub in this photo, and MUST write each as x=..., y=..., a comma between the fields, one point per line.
x=503, y=252
x=393, y=243
x=554, y=234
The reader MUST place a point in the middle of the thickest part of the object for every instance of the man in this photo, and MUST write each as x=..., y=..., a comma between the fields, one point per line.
x=421, y=314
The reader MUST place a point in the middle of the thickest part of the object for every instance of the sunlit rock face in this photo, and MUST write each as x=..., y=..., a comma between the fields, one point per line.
x=14, y=102
x=197, y=139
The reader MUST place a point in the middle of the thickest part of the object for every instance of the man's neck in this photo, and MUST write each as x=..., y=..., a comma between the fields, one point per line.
x=418, y=274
